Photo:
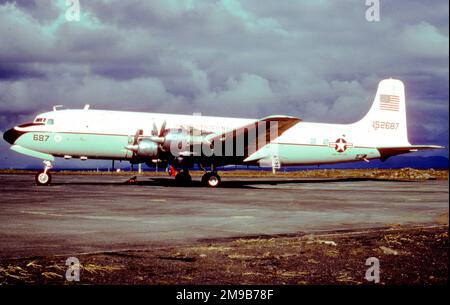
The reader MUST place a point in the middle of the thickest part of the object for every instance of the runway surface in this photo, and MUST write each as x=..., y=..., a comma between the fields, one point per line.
x=84, y=214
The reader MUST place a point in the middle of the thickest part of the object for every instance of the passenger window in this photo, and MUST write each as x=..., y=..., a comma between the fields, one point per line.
x=50, y=122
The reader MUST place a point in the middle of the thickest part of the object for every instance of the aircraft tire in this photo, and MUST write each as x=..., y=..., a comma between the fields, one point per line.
x=43, y=178
x=211, y=180
x=183, y=178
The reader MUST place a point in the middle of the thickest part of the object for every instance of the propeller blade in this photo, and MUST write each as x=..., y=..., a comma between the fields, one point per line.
x=163, y=129
x=154, y=130
x=136, y=136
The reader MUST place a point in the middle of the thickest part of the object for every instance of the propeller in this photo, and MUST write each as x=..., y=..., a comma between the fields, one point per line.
x=158, y=137
x=134, y=147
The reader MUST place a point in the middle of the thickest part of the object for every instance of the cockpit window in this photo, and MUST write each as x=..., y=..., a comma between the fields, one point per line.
x=50, y=122
x=39, y=120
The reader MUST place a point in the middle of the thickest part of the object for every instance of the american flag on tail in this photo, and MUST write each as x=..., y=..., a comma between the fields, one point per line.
x=389, y=102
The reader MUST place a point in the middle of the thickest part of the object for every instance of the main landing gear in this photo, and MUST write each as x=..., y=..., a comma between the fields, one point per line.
x=44, y=177
x=183, y=178
x=210, y=179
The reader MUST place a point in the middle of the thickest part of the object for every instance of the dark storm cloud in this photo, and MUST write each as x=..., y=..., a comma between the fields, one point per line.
x=319, y=60
x=13, y=72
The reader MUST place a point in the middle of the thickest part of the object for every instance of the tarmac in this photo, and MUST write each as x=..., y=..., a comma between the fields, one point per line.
x=92, y=213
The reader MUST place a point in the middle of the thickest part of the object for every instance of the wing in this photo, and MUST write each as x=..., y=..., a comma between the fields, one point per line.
x=252, y=137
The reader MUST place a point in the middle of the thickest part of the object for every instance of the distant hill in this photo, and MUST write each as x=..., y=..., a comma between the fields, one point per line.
x=436, y=162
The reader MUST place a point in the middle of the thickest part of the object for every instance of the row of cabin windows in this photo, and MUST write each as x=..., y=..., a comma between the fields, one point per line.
x=314, y=141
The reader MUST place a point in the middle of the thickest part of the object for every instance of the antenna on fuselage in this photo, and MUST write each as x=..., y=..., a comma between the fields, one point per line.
x=86, y=107
x=56, y=107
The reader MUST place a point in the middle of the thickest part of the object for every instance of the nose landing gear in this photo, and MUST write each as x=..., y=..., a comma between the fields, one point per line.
x=44, y=177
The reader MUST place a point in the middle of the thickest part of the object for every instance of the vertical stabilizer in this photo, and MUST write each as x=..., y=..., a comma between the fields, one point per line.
x=385, y=123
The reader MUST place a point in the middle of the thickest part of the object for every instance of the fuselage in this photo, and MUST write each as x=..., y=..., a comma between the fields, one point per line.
x=104, y=134
x=182, y=141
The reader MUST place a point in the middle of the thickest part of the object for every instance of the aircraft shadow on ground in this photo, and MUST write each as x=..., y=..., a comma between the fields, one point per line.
x=247, y=183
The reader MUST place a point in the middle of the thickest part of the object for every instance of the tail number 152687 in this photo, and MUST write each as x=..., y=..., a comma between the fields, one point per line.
x=384, y=125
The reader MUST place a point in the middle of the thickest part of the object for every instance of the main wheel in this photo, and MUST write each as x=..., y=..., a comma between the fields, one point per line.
x=211, y=179
x=183, y=178
x=43, y=178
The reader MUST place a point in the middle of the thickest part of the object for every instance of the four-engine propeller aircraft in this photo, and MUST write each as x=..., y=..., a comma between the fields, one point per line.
x=181, y=141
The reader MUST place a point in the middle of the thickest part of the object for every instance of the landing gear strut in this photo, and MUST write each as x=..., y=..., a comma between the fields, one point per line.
x=211, y=179
x=44, y=177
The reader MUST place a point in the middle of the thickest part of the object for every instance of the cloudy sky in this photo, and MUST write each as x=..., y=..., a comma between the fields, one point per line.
x=316, y=59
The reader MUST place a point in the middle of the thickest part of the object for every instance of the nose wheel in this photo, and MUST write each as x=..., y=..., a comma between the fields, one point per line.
x=44, y=177
x=211, y=179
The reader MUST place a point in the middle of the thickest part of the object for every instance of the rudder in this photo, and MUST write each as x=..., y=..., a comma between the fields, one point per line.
x=386, y=120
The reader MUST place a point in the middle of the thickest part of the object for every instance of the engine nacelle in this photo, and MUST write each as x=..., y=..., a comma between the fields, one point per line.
x=176, y=139
x=147, y=148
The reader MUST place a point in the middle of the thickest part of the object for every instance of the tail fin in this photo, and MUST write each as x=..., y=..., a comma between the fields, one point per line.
x=386, y=120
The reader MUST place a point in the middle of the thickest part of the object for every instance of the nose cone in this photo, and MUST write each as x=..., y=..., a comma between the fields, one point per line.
x=11, y=135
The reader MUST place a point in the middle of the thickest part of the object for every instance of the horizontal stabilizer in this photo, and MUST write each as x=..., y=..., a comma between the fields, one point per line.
x=387, y=152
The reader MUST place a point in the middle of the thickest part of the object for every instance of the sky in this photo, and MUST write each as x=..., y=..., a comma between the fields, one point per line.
x=320, y=60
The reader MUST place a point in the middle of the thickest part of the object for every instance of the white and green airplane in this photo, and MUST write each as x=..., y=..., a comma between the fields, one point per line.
x=181, y=141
